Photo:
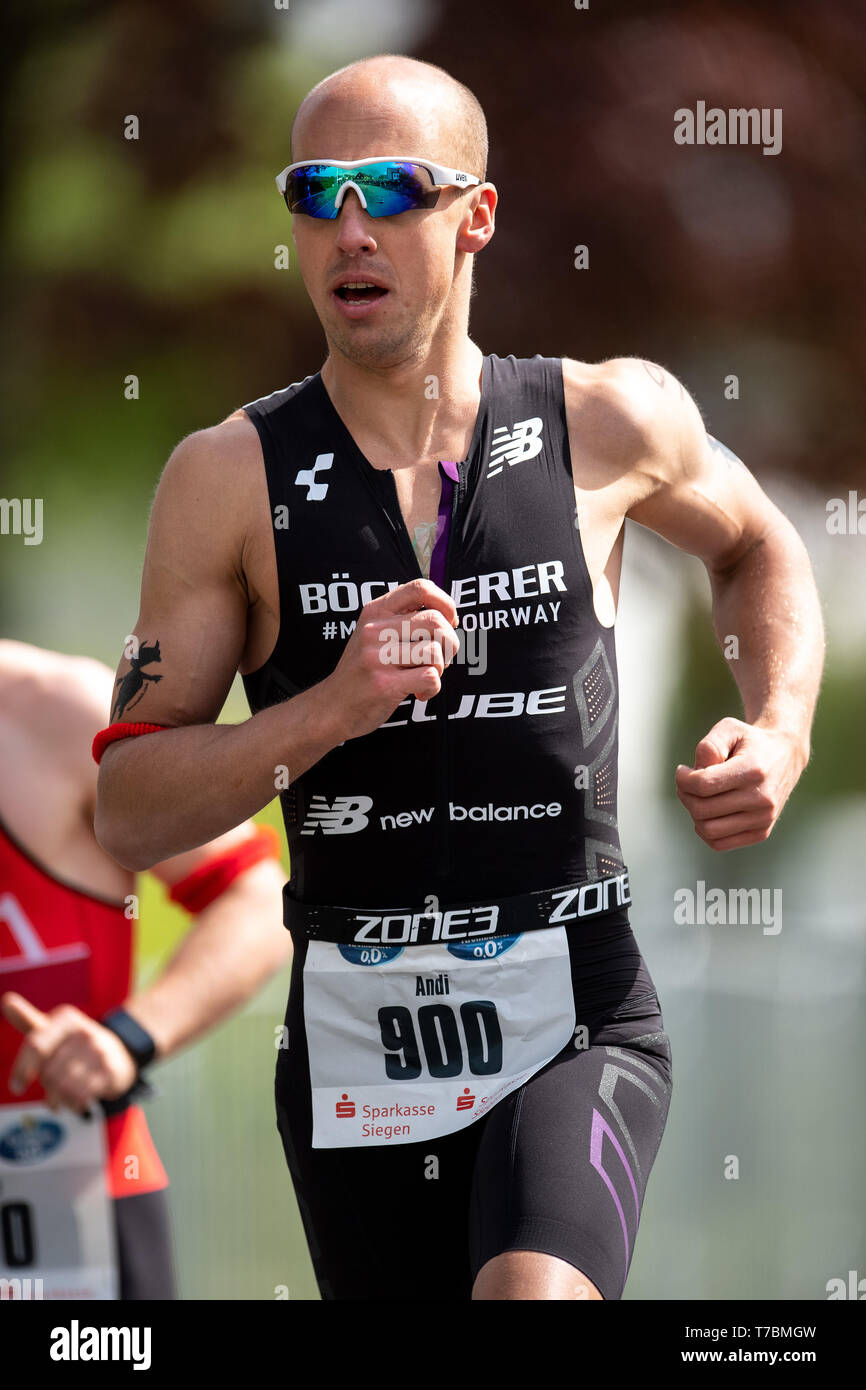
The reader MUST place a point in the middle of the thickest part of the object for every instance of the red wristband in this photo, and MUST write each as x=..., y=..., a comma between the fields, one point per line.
x=116, y=731
x=205, y=884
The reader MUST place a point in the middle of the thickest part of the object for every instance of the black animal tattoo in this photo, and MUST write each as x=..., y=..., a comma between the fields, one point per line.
x=134, y=683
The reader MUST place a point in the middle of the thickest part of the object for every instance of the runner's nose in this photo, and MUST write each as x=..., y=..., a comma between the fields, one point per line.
x=354, y=226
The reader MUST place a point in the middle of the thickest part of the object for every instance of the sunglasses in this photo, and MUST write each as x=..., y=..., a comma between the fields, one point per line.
x=386, y=186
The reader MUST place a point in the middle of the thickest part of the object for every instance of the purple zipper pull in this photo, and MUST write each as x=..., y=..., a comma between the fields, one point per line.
x=450, y=477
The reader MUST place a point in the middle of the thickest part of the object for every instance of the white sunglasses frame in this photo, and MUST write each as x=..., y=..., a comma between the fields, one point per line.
x=442, y=177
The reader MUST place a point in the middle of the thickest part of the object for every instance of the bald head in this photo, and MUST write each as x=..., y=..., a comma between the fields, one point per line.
x=416, y=108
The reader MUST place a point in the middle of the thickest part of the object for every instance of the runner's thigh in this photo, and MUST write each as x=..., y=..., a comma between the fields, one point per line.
x=563, y=1163
x=389, y=1222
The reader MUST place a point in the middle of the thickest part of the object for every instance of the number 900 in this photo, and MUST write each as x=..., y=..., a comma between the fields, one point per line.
x=441, y=1041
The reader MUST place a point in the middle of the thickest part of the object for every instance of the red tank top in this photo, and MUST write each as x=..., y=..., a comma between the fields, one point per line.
x=62, y=945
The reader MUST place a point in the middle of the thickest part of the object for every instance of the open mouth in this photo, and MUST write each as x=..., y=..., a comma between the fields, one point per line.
x=360, y=292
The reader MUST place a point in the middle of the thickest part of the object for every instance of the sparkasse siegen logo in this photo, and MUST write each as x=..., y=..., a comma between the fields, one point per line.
x=77, y=1343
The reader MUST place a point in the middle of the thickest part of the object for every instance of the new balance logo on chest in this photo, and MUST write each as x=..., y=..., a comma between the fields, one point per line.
x=522, y=441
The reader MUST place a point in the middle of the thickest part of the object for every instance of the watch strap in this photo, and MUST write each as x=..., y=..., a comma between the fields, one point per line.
x=137, y=1041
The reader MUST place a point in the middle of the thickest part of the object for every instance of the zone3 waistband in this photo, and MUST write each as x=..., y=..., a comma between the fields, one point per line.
x=390, y=926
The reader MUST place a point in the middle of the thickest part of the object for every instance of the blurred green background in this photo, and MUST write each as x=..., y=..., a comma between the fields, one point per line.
x=155, y=258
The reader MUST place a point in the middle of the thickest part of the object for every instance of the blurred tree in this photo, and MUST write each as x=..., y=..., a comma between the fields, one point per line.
x=712, y=260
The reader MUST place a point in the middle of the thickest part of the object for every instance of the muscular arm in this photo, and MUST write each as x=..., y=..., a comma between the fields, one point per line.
x=764, y=593
x=166, y=793
x=704, y=500
x=694, y=492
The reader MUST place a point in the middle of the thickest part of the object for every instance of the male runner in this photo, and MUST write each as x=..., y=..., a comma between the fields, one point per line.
x=477, y=1075
x=68, y=1198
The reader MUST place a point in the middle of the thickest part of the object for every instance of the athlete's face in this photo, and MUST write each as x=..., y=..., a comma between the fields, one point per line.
x=418, y=260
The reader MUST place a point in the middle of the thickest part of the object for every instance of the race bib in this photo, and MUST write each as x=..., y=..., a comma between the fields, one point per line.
x=410, y=1043
x=57, y=1235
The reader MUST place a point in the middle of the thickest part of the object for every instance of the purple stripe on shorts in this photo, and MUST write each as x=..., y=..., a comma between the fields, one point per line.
x=600, y=1128
x=449, y=476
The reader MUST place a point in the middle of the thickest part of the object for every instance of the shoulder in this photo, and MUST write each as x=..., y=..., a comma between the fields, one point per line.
x=58, y=702
x=50, y=683
x=225, y=453
x=628, y=414
x=230, y=452
x=209, y=495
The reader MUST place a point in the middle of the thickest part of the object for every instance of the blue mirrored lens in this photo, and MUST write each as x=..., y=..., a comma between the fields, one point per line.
x=388, y=188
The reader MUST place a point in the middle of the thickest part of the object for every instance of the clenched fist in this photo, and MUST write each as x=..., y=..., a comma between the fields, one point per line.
x=742, y=777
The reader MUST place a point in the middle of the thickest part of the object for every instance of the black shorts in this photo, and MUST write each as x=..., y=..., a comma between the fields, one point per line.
x=559, y=1166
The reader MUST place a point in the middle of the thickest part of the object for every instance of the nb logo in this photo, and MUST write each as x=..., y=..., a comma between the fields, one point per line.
x=523, y=442
x=316, y=492
x=347, y=815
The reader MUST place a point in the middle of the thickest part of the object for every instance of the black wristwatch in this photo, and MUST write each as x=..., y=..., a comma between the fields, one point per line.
x=137, y=1041
x=141, y=1048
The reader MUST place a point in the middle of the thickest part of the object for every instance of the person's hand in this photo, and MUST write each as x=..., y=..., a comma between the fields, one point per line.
x=742, y=777
x=73, y=1057
x=401, y=644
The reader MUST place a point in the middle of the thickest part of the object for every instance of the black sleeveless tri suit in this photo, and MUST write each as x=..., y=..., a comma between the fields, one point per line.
x=501, y=790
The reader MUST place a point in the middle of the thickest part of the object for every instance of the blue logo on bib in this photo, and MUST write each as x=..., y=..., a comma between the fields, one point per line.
x=31, y=1140
x=369, y=955
x=483, y=950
